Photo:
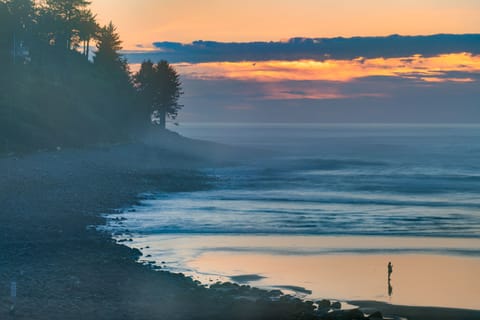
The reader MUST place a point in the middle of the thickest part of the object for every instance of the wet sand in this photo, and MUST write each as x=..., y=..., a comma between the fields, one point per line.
x=341, y=268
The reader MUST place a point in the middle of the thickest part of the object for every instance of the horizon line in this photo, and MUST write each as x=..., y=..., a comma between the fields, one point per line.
x=287, y=40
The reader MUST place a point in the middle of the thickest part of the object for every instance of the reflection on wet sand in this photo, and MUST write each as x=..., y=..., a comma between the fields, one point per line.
x=452, y=282
x=423, y=270
x=390, y=288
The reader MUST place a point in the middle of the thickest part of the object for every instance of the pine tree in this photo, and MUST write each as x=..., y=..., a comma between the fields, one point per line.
x=108, y=45
x=87, y=30
x=17, y=18
x=64, y=19
x=159, y=87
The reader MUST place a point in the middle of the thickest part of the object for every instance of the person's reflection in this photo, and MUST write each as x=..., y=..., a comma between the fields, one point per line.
x=390, y=288
x=390, y=270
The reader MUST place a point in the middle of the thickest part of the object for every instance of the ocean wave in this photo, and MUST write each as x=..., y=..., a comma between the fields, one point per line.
x=353, y=201
x=332, y=180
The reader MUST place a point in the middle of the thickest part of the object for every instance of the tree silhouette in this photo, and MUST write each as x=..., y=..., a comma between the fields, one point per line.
x=108, y=45
x=23, y=12
x=159, y=88
x=65, y=20
x=17, y=21
x=87, y=30
x=51, y=94
x=6, y=31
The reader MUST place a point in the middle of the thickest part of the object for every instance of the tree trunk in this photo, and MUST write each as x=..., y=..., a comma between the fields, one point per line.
x=88, y=49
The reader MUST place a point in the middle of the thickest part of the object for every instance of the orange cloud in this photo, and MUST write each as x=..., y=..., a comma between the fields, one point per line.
x=437, y=80
x=425, y=69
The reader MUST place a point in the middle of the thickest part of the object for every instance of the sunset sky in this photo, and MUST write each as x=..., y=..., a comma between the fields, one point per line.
x=237, y=78
x=146, y=21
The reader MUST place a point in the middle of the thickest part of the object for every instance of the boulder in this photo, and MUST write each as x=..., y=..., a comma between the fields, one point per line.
x=377, y=315
x=353, y=314
x=324, y=304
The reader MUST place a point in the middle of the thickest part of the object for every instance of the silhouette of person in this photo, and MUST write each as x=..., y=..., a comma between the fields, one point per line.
x=390, y=270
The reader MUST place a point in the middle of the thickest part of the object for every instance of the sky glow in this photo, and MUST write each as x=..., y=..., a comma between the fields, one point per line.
x=394, y=79
x=428, y=69
x=145, y=21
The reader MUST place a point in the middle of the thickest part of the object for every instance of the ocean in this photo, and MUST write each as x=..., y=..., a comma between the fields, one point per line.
x=327, y=191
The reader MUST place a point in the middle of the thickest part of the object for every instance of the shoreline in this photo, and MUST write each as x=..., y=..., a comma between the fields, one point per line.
x=64, y=269
x=338, y=268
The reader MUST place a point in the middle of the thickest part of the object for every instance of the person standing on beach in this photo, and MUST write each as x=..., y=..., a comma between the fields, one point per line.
x=390, y=270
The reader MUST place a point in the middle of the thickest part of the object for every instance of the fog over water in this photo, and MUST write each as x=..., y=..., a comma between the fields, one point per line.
x=404, y=180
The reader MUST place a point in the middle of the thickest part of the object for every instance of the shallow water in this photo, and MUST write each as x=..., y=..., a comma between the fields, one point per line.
x=426, y=271
x=333, y=179
x=379, y=181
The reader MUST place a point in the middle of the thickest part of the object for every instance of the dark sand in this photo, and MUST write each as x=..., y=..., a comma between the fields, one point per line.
x=66, y=270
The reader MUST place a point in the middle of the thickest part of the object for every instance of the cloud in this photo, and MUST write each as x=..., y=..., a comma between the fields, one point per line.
x=384, y=79
x=420, y=68
x=371, y=99
x=310, y=48
x=310, y=90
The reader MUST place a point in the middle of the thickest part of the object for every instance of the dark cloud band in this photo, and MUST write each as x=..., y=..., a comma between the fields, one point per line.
x=309, y=48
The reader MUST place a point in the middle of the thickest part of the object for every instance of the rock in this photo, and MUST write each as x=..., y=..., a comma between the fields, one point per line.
x=377, y=315
x=275, y=293
x=322, y=312
x=353, y=314
x=324, y=304
x=356, y=314
x=309, y=304
x=336, y=305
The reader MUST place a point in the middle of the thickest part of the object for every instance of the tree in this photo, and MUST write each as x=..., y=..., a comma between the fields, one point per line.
x=88, y=29
x=64, y=20
x=108, y=45
x=6, y=31
x=159, y=88
x=23, y=12
x=16, y=24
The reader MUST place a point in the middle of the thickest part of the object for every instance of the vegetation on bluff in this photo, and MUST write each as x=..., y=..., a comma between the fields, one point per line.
x=54, y=91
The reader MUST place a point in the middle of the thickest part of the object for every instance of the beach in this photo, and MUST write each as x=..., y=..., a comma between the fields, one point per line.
x=336, y=268
x=51, y=203
x=64, y=268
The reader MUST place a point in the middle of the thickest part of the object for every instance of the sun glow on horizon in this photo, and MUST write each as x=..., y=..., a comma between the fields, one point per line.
x=417, y=67
x=325, y=80
x=146, y=21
